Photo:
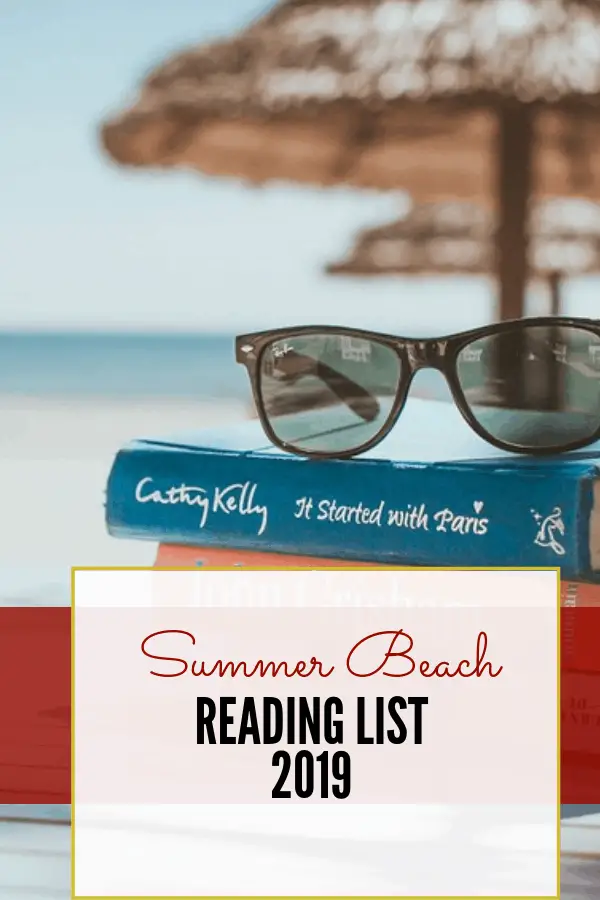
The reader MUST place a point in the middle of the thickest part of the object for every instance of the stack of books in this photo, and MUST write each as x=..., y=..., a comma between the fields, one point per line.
x=431, y=494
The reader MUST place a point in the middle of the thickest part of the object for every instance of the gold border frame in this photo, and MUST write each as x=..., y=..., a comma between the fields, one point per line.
x=351, y=568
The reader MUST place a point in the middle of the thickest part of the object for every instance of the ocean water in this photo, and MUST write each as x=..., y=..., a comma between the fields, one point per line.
x=120, y=366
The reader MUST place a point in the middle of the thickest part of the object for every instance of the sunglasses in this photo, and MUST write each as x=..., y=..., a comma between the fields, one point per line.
x=526, y=386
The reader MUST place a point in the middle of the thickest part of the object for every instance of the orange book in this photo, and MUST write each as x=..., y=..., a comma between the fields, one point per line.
x=573, y=593
x=173, y=556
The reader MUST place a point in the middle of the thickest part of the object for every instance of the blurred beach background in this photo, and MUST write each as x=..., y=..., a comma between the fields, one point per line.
x=120, y=292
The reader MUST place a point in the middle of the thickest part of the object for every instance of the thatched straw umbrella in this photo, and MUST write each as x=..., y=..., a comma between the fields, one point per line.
x=449, y=99
x=458, y=239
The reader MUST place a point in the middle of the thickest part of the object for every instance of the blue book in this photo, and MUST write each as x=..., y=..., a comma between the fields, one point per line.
x=432, y=493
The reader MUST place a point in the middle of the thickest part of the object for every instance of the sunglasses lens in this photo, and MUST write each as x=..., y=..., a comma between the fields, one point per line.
x=537, y=388
x=328, y=393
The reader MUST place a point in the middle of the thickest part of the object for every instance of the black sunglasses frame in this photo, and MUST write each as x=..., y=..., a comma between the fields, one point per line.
x=414, y=354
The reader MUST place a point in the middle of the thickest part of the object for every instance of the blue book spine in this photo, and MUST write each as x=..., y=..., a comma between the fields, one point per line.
x=396, y=513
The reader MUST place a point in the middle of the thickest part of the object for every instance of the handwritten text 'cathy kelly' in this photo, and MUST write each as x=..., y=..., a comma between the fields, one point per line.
x=243, y=499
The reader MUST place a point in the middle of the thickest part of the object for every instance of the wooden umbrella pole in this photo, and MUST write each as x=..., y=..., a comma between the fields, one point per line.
x=555, y=382
x=514, y=182
x=554, y=283
x=514, y=186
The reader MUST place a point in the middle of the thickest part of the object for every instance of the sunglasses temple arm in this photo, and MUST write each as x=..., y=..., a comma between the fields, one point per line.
x=358, y=399
x=361, y=401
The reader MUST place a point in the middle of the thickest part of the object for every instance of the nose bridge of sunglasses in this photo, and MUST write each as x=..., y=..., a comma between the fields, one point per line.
x=426, y=354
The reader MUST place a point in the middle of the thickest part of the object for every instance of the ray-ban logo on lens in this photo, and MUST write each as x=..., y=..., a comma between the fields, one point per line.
x=548, y=529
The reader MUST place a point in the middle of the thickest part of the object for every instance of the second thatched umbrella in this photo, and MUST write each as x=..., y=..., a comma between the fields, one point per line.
x=486, y=101
x=458, y=239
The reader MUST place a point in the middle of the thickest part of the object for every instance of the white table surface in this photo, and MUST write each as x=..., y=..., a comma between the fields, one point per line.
x=34, y=859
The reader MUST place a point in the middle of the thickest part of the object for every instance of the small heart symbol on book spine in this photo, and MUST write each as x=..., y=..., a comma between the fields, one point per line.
x=478, y=506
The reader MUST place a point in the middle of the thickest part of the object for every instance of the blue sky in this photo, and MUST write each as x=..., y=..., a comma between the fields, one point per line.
x=84, y=244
